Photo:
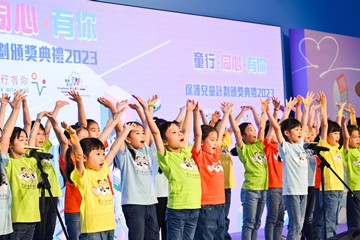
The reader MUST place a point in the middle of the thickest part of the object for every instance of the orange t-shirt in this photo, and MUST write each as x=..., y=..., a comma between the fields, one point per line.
x=318, y=173
x=211, y=175
x=275, y=165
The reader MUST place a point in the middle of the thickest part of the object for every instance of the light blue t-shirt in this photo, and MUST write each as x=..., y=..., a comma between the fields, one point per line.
x=137, y=175
x=295, y=169
x=5, y=198
x=311, y=156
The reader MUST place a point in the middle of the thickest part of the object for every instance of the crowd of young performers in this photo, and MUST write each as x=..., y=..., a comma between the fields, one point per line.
x=174, y=188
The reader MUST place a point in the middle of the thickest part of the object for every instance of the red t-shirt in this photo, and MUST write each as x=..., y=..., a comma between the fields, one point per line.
x=318, y=173
x=275, y=165
x=211, y=175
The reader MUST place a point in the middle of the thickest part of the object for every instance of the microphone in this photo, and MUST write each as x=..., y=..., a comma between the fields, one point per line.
x=315, y=147
x=32, y=152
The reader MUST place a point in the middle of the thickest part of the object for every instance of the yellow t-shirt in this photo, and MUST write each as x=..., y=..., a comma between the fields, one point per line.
x=97, y=205
x=226, y=161
x=335, y=157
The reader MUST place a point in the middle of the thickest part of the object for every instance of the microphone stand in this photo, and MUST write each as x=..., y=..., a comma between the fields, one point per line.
x=45, y=184
x=324, y=163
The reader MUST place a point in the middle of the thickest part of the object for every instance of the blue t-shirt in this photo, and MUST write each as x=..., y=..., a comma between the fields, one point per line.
x=137, y=175
x=5, y=198
x=295, y=170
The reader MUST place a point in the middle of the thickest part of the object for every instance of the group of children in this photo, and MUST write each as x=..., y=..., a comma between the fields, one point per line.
x=167, y=184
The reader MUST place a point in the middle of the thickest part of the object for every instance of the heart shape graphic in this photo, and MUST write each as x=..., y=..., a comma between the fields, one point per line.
x=318, y=48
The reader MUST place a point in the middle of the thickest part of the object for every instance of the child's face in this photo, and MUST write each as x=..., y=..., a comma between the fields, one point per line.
x=295, y=134
x=250, y=135
x=40, y=138
x=354, y=139
x=174, y=138
x=136, y=138
x=210, y=143
x=310, y=135
x=95, y=160
x=94, y=130
x=333, y=138
x=17, y=147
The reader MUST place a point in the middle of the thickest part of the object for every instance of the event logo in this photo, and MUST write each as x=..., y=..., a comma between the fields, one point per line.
x=40, y=85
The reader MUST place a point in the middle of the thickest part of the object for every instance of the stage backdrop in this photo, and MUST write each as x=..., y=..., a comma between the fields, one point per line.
x=48, y=48
x=326, y=62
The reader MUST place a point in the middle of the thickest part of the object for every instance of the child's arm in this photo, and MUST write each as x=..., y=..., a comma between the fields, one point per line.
x=324, y=120
x=59, y=104
x=26, y=116
x=298, y=113
x=305, y=116
x=190, y=106
x=180, y=117
x=276, y=104
x=76, y=148
x=197, y=128
x=261, y=132
x=5, y=99
x=256, y=116
x=340, y=112
x=311, y=120
x=63, y=141
x=119, y=142
x=113, y=109
x=148, y=110
x=273, y=122
x=76, y=97
x=226, y=108
x=113, y=122
x=352, y=115
x=289, y=105
x=35, y=128
x=10, y=123
x=345, y=133
x=236, y=129
x=203, y=117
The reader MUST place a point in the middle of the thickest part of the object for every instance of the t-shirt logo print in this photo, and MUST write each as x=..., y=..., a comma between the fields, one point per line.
x=141, y=162
x=301, y=158
x=188, y=164
x=357, y=162
x=102, y=188
x=217, y=167
x=27, y=174
x=259, y=157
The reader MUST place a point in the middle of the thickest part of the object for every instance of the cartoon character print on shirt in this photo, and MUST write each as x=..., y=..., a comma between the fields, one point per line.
x=357, y=162
x=4, y=185
x=301, y=159
x=224, y=150
x=141, y=162
x=27, y=174
x=337, y=156
x=259, y=157
x=188, y=164
x=216, y=166
x=102, y=188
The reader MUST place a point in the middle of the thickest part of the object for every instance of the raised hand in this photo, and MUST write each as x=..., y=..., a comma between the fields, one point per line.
x=5, y=99
x=226, y=107
x=75, y=96
x=191, y=104
x=61, y=103
x=19, y=97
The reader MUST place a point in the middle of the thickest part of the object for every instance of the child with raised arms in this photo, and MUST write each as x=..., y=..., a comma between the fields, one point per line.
x=250, y=149
x=290, y=136
x=135, y=161
x=90, y=177
x=352, y=164
x=22, y=175
x=206, y=152
x=176, y=162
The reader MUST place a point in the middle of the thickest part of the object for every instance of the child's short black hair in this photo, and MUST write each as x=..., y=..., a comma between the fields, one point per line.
x=287, y=125
x=206, y=129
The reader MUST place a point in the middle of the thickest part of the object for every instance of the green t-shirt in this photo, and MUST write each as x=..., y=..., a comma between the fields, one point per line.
x=50, y=170
x=184, y=179
x=255, y=164
x=23, y=178
x=352, y=162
